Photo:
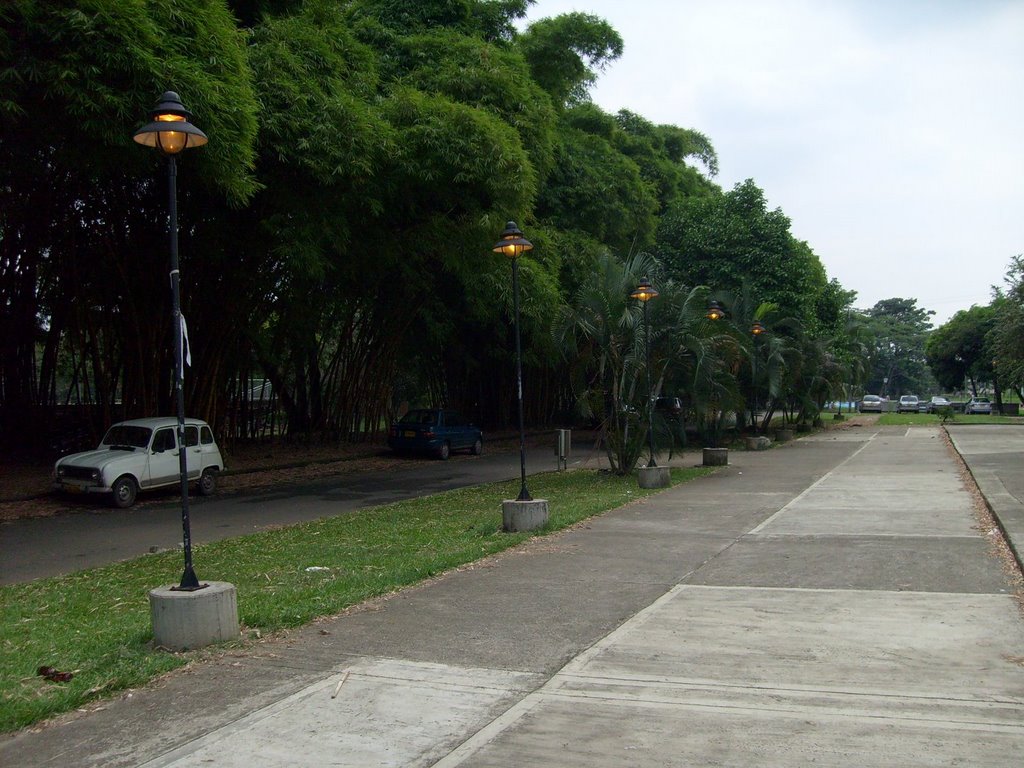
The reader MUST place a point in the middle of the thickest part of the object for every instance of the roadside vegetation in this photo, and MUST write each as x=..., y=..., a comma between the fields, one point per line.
x=899, y=419
x=337, y=232
x=95, y=624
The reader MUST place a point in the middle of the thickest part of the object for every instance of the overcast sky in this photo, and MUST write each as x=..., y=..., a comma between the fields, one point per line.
x=891, y=132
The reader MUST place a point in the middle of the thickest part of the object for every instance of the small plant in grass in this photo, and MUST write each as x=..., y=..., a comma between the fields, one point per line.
x=945, y=413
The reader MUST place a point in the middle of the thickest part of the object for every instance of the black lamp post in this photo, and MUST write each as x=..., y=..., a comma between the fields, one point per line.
x=645, y=292
x=756, y=329
x=170, y=131
x=512, y=244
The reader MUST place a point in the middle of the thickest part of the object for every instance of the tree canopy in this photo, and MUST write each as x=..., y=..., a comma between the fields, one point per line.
x=335, y=233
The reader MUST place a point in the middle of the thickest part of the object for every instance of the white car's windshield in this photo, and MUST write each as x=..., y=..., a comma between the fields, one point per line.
x=136, y=437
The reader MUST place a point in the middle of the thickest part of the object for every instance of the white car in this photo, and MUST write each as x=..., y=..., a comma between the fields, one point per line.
x=141, y=454
x=907, y=404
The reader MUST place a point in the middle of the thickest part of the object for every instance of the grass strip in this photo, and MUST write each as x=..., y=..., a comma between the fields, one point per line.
x=96, y=623
x=909, y=419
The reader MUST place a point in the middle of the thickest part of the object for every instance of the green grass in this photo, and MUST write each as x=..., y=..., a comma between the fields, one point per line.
x=903, y=419
x=96, y=623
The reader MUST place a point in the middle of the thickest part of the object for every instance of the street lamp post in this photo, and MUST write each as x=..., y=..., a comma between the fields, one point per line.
x=645, y=292
x=756, y=329
x=513, y=244
x=170, y=131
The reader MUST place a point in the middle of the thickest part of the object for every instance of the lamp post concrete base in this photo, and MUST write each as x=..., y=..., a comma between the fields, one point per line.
x=716, y=457
x=523, y=515
x=187, y=620
x=784, y=435
x=653, y=477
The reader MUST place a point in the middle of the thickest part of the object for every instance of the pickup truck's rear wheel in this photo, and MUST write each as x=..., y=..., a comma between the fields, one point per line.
x=124, y=491
x=208, y=482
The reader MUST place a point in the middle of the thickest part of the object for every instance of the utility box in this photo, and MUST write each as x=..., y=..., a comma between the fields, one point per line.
x=563, y=446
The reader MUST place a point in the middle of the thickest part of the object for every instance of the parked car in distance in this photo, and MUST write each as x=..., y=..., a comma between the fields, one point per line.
x=141, y=454
x=435, y=430
x=933, y=405
x=907, y=404
x=978, y=405
x=870, y=403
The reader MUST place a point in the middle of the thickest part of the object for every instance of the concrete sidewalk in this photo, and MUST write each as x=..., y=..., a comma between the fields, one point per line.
x=832, y=601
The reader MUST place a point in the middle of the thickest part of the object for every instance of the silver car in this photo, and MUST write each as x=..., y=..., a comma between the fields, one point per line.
x=978, y=405
x=870, y=403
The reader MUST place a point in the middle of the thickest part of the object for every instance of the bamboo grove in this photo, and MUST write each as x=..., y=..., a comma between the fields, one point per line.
x=335, y=232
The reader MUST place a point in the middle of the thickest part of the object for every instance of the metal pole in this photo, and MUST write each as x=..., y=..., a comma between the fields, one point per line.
x=524, y=494
x=189, y=582
x=753, y=377
x=650, y=390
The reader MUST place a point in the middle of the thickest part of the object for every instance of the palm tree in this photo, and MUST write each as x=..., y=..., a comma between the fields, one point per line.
x=599, y=335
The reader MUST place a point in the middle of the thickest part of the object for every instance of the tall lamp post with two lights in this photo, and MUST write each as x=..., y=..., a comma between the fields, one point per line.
x=523, y=513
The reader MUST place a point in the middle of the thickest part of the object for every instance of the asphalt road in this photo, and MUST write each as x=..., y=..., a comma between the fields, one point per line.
x=95, y=534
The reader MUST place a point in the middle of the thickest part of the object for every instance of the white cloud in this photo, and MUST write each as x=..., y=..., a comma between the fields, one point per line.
x=887, y=131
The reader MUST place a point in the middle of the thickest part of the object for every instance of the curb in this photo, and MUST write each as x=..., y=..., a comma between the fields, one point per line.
x=1008, y=536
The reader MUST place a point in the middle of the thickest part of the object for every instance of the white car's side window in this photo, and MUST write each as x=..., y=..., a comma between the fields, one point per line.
x=164, y=441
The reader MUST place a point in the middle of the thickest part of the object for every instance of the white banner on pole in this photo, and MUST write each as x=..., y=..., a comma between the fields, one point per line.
x=186, y=349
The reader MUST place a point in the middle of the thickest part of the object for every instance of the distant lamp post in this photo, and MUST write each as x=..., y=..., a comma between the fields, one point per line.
x=513, y=244
x=756, y=329
x=645, y=292
x=170, y=131
x=714, y=311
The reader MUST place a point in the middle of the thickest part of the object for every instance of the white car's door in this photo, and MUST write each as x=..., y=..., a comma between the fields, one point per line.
x=193, y=451
x=163, y=458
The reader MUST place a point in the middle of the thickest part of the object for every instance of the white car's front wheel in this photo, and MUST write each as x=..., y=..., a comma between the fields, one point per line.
x=124, y=491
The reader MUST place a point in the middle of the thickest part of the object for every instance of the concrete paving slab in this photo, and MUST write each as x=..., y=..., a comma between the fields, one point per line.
x=740, y=677
x=867, y=494
x=377, y=712
x=914, y=564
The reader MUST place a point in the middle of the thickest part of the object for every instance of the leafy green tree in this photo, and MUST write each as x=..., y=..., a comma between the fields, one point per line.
x=958, y=350
x=415, y=143
x=899, y=328
x=725, y=239
x=595, y=189
x=661, y=151
x=83, y=210
x=1007, y=335
x=567, y=52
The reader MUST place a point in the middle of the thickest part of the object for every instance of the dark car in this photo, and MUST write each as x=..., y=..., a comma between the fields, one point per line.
x=933, y=405
x=435, y=430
